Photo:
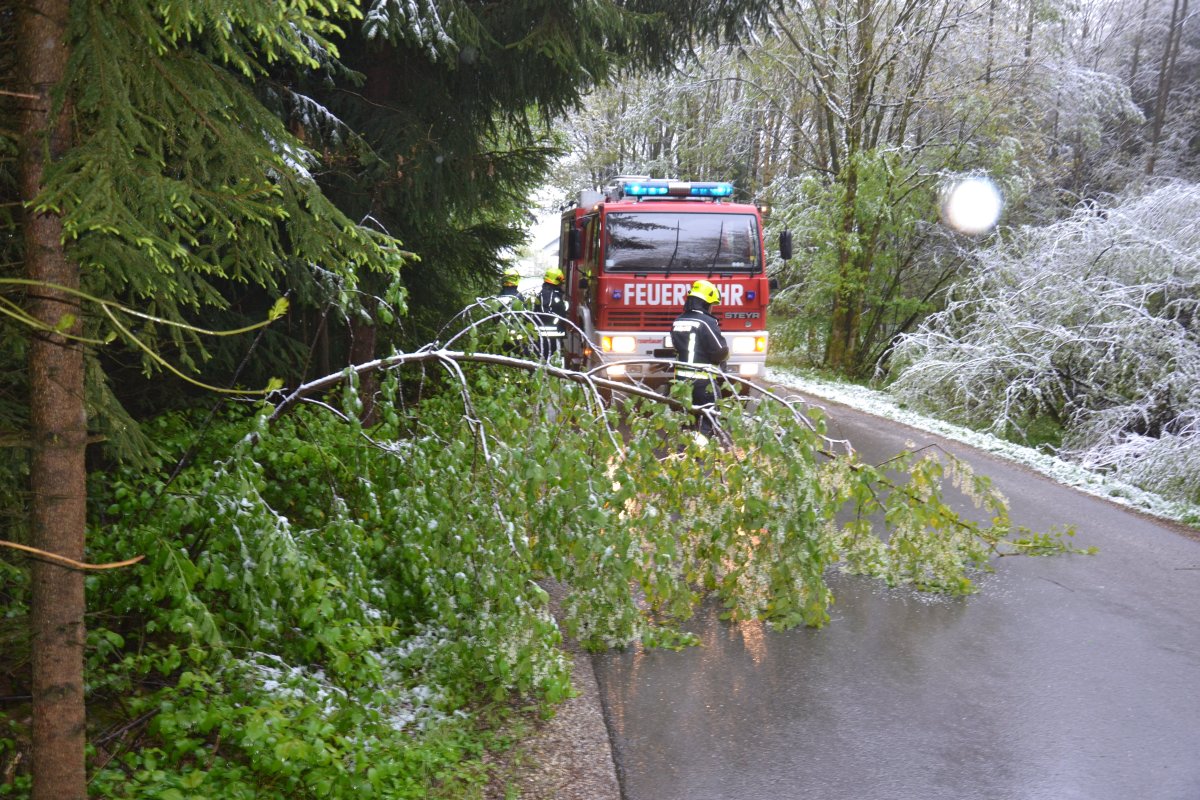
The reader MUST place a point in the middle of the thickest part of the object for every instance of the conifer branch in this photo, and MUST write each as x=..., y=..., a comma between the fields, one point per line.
x=187, y=99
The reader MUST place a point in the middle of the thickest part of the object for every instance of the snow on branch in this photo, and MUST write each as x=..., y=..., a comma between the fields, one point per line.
x=415, y=21
x=1093, y=323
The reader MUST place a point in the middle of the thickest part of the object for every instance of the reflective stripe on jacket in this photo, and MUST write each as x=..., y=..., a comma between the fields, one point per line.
x=551, y=308
x=697, y=338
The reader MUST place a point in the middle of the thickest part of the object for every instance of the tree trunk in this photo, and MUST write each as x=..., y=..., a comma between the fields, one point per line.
x=846, y=314
x=1166, y=71
x=1029, y=20
x=1137, y=44
x=58, y=423
x=991, y=42
x=854, y=264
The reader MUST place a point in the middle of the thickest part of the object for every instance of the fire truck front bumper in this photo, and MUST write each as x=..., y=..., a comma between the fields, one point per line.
x=649, y=358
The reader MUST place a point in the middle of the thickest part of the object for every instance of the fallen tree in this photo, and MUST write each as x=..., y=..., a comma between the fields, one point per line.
x=317, y=591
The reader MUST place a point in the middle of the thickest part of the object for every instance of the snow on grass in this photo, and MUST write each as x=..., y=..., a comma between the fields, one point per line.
x=1094, y=483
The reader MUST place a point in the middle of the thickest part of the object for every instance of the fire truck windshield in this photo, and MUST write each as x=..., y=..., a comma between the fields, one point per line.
x=671, y=241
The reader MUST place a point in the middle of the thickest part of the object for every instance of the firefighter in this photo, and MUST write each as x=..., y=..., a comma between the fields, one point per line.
x=698, y=341
x=512, y=309
x=508, y=292
x=551, y=308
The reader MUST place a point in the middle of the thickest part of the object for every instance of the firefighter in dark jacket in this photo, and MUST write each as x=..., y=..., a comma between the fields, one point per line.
x=551, y=308
x=698, y=341
x=516, y=340
x=508, y=291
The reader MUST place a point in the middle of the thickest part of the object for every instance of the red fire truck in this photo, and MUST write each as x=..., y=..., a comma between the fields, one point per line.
x=630, y=255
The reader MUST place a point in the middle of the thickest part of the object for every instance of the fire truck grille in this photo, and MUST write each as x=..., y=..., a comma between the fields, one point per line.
x=647, y=320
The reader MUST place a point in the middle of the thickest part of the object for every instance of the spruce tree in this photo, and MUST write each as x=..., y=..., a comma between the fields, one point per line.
x=149, y=173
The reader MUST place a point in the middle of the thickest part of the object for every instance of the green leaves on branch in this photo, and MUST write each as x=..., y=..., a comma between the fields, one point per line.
x=338, y=597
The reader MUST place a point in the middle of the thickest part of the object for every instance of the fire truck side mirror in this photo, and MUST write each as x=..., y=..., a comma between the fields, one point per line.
x=574, y=244
x=773, y=284
x=785, y=244
x=583, y=282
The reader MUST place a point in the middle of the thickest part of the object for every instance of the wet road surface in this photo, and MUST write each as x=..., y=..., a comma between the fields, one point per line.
x=1064, y=678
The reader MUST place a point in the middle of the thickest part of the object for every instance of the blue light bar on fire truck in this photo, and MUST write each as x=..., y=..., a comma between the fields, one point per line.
x=665, y=188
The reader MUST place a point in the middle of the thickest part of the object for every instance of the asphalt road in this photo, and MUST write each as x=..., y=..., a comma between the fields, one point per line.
x=1064, y=678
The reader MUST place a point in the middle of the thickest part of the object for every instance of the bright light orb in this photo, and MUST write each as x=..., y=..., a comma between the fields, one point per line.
x=972, y=205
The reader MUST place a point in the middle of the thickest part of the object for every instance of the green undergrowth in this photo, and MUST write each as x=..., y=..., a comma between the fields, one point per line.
x=327, y=610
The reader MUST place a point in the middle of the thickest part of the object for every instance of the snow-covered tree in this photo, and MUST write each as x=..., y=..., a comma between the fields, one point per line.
x=1092, y=322
x=698, y=121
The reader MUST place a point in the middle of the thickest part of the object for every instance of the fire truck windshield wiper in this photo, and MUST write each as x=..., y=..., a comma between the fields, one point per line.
x=712, y=265
x=673, y=252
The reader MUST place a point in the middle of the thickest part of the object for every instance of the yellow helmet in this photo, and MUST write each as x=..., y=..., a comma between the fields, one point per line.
x=706, y=291
x=511, y=277
x=554, y=275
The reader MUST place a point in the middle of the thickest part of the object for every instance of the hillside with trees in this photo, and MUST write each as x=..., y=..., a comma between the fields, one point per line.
x=276, y=511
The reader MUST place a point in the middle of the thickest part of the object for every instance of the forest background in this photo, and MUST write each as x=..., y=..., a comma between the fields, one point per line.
x=1071, y=326
x=359, y=575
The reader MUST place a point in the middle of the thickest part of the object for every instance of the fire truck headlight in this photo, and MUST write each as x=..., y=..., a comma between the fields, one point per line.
x=748, y=370
x=615, y=371
x=740, y=345
x=618, y=344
